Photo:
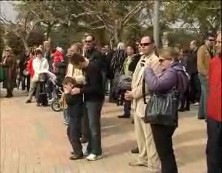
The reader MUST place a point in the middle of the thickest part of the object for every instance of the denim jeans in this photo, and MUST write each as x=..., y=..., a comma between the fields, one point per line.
x=202, y=112
x=66, y=116
x=74, y=134
x=93, y=110
x=214, y=146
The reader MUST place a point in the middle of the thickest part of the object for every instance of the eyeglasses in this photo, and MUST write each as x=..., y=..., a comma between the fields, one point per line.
x=88, y=41
x=211, y=39
x=145, y=44
x=162, y=60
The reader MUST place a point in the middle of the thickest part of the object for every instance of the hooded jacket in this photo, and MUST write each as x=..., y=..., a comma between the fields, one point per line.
x=58, y=57
x=174, y=76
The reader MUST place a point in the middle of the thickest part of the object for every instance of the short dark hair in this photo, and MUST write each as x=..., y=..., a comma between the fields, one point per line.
x=207, y=35
x=132, y=47
x=76, y=58
x=69, y=80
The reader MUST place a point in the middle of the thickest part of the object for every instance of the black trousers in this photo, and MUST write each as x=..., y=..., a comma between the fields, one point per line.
x=185, y=100
x=26, y=82
x=214, y=146
x=162, y=136
x=194, y=88
x=74, y=134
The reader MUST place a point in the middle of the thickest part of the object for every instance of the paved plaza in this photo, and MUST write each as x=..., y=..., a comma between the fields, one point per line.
x=33, y=140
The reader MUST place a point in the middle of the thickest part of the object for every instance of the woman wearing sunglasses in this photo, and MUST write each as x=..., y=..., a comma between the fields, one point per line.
x=173, y=75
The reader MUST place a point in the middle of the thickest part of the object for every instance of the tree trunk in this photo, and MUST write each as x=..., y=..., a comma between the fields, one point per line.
x=117, y=35
x=48, y=31
x=25, y=43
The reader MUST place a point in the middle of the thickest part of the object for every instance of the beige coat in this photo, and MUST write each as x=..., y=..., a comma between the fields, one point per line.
x=203, y=59
x=75, y=73
x=137, y=82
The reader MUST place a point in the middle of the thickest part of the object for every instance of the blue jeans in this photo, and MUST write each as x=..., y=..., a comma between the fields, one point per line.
x=66, y=116
x=93, y=110
x=202, y=112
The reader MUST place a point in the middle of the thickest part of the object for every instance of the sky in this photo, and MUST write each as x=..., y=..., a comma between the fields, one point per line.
x=7, y=10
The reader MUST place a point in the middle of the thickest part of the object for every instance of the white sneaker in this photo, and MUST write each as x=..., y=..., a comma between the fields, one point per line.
x=93, y=157
x=196, y=104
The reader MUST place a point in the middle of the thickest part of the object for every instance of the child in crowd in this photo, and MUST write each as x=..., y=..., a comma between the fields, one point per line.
x=74, y=111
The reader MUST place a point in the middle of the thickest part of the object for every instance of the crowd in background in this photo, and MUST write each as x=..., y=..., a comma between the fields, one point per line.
x=87, y=74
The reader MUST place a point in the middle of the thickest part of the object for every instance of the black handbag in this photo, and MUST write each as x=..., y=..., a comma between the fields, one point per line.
x=162, y=108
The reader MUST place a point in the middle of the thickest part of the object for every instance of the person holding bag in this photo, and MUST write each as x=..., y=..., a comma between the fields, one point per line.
x=161, y=110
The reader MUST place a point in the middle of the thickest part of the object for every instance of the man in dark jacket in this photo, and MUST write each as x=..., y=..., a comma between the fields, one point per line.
x=96, y=56
x=192, y=70
x=93, y=98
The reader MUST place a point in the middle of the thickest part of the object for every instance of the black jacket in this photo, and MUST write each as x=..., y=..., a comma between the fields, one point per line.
x=191, y=63
x=94, y=89
x=96, y=56
x=134, y=62
x=74, y=103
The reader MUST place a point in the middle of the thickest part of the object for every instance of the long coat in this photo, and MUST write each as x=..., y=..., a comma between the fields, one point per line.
x=137, y=82
x=9, y=65
x=214, y=90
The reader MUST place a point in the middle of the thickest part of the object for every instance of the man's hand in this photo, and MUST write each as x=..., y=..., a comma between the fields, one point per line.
x=75, y=91
x=128, y=95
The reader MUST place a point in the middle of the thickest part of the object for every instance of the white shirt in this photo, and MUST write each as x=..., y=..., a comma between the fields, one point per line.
x=40, y=65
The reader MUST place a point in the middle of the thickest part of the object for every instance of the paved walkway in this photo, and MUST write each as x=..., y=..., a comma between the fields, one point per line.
x=33, y=140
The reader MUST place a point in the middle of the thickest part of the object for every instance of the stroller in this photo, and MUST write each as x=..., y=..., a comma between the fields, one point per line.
x=41, y=94
x=55, y=105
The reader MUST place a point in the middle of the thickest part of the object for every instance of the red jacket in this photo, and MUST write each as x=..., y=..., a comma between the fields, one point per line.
x=214, y=90
x=30, y=67
x=57, y=57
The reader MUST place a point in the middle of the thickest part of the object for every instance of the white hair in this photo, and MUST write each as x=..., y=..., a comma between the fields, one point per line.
x=59, y=49
x=121, y=46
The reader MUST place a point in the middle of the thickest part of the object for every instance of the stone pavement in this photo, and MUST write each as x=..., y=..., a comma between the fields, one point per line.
x=33, y=140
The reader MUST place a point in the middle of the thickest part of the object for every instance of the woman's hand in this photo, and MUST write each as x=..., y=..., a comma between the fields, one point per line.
x=75, y=91
x=128, y=95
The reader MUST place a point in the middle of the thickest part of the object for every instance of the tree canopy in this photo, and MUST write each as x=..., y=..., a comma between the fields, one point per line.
x=110, y=20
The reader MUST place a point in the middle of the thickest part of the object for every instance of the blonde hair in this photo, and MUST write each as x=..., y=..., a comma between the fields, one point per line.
x=78, y=47
x=169, y=53
x=121, y=46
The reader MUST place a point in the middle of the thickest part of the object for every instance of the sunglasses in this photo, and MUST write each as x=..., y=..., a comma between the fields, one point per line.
x=211, y=39
x=88, y=41
x=145, y=44
x=162, y=60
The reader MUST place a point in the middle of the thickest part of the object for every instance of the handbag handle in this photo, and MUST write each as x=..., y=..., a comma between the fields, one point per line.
x=144, y=91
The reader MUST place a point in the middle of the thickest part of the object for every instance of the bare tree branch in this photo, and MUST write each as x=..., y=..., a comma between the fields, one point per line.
x=133, y=12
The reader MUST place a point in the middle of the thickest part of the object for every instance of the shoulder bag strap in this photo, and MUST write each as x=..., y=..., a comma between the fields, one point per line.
x=144, y=91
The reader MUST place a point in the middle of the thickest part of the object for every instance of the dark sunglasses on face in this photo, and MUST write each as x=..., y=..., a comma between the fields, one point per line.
x=145, y=44
x=88, y=41
x=211, y=39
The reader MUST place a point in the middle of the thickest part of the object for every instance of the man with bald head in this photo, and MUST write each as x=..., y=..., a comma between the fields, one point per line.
x=147, y=151
x=214, y=114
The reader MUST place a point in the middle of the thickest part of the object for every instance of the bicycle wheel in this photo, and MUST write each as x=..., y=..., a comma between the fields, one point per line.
x=56, y=106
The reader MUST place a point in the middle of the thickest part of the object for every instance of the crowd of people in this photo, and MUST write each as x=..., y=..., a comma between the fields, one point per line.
x=130, y=75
